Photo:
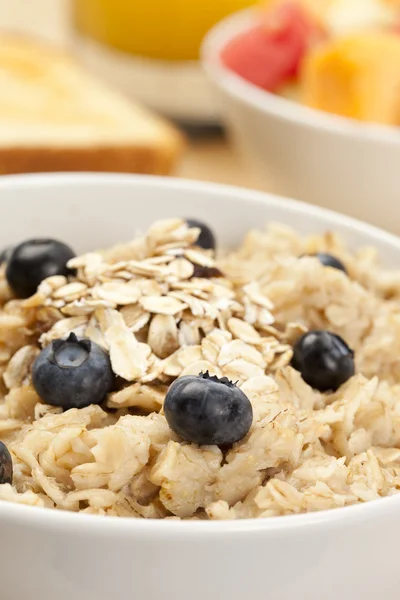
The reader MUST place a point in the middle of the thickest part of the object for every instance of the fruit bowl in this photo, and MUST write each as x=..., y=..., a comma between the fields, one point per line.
x=345, y=553
x=299, y=152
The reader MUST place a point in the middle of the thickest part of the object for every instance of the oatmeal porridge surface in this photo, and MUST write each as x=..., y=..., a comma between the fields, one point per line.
x=145, y=305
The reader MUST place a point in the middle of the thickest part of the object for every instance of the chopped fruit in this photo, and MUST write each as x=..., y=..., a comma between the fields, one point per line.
x=318, y=8
x=206, y=410
x=330, y=261
x=271, y=54
x=347, y=16
x=351, y=16
x=6, y=465
x=357, y=77
x=72, y=373
x=35, y=260
x=206, y=239
x=324, y=360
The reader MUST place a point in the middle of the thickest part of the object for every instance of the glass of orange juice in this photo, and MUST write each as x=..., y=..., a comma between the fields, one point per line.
x=150, y=48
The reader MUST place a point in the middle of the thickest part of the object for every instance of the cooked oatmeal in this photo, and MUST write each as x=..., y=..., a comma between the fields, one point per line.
x=143, y=305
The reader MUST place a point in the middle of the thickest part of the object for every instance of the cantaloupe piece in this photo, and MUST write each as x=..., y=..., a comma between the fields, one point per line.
x=356, y=76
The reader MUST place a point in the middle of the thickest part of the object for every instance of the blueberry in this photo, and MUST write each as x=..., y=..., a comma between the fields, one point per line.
x=206, y=239
x=72, y=373
x=34, y=260
x=5, y=254
x=324, y=360
x=206, y=410
x=6, y=465
x=330, y=261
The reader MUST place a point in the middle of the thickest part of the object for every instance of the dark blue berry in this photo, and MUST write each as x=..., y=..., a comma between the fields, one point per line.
x=206, y=239
x=324, y=360
x=206, y=410
x=5, y=254
x=35, y=260
x=72, y=373
x=6, y=465
x=330, y=261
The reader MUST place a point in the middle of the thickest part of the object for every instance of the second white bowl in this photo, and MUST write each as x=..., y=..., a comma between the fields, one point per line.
x=330, y=161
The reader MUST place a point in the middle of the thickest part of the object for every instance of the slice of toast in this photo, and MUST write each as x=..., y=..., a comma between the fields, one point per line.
x=55, y=116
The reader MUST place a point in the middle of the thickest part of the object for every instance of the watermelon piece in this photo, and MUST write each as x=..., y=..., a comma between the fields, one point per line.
x=395, y=28
x=270, y=54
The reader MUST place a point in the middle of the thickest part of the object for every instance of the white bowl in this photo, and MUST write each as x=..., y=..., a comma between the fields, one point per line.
x=349, y=553
x=330, y=161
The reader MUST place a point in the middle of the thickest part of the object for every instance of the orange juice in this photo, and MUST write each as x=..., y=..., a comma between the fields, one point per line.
x=149, y=49
x=159, y=29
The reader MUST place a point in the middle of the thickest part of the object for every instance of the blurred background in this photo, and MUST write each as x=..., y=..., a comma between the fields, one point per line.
x=309, y=91
x=108, y=36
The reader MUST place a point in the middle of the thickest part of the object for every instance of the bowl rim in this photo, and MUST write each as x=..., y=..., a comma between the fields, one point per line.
x=273, y=104
x=48, y=518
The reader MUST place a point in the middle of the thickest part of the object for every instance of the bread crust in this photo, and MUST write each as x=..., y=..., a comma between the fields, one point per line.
x=114, y=159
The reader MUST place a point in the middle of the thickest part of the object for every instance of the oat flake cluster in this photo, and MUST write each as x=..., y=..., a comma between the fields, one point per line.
x=305, y=451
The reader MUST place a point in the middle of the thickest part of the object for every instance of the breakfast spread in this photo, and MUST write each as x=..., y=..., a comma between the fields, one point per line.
x=155, y=379
x=328, y=55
